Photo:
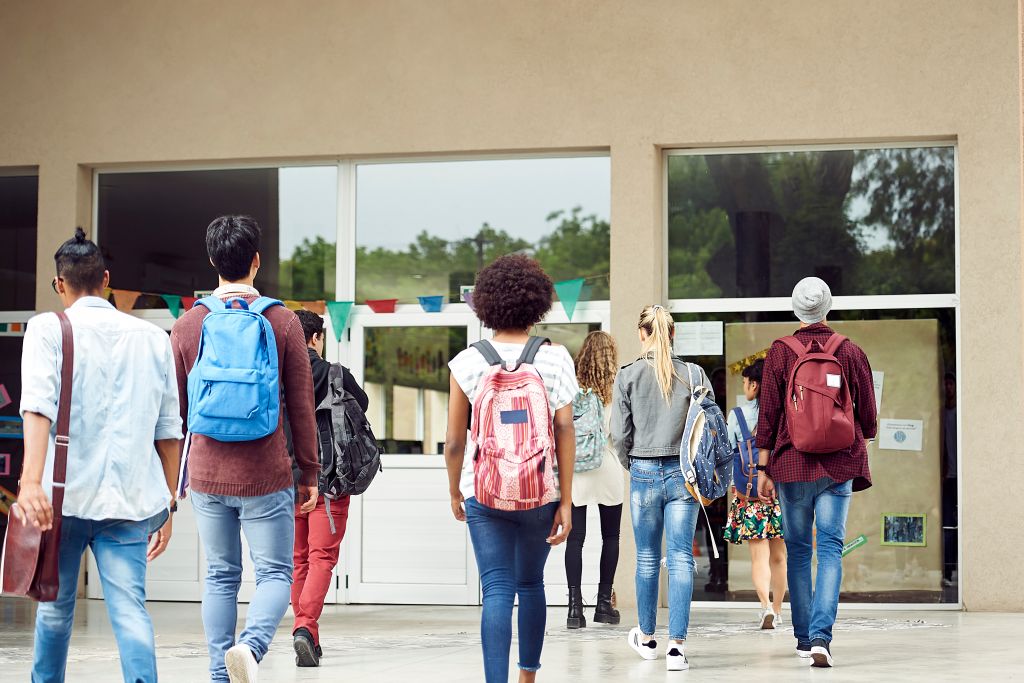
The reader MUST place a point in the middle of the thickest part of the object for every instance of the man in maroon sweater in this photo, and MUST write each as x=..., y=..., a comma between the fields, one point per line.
x=814, y=488
x=247, y=486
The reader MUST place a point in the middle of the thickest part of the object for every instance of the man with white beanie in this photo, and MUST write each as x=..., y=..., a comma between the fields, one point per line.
x=814, y=487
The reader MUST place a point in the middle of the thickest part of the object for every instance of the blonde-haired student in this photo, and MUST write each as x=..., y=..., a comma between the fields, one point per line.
x=649, y=406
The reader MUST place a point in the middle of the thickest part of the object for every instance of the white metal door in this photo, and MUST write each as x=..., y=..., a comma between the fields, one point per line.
x=403, y=546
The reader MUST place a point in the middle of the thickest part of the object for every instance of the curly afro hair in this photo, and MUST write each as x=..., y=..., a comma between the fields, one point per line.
x=512, y=293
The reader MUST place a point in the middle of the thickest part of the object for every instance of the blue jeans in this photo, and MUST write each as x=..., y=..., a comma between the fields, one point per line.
x=822, y=504
x=120, y=550
x=511, y=549
x=661, y=505
x=269, y=526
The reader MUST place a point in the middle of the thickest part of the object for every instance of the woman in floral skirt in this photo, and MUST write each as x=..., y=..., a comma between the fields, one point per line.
x=758, y=523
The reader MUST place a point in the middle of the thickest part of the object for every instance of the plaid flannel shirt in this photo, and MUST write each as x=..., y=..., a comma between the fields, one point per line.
x=787, y=464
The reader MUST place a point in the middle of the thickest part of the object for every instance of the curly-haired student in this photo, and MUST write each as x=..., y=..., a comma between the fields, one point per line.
x=507, y=494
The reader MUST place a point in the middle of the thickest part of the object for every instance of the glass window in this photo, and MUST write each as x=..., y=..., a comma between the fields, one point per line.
x=427, y=228
x=19, y=198
x=867, y=221
x=152, y=228
x=406, y=379
x=913, y=355
x=569, y=335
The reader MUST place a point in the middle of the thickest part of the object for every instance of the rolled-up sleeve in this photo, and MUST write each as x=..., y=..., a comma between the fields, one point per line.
x=621, y=435
x=40, y=367
x=168, y=424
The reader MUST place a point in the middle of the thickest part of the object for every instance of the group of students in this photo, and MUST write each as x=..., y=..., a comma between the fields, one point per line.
x=254, y=462
x=519, y=408
x=499, y=490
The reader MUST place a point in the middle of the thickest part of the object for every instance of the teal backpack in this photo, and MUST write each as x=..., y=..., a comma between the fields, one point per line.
x=233, y=388
x=588, y=419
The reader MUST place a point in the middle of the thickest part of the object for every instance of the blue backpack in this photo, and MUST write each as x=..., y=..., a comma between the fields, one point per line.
x=588, y=419
x=705, y=455
x=744, y=465
x=233, y=388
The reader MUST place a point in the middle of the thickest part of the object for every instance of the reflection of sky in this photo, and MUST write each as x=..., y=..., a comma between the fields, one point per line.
x=308, y=198
x=452, y=199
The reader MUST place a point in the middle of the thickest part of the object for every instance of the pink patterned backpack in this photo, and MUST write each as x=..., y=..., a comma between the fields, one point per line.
x=513, y=468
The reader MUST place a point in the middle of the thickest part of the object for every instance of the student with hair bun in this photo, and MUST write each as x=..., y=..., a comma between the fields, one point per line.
x=650, y=401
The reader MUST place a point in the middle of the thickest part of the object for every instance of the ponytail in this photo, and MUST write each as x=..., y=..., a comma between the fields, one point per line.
x=657, y=347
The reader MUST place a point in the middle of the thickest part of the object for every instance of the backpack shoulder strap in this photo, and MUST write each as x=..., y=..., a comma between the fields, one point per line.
x=262, y=303
x=741, y=418
x=533, y=345
x=832, y=345
x=213, y=303
x=795, y=346
x=487, y=351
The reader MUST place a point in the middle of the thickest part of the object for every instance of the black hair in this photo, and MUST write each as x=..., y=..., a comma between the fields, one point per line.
x=754, y=370
x=80, y=264
x=232, y=243
x=512, y=293
x=311, y=323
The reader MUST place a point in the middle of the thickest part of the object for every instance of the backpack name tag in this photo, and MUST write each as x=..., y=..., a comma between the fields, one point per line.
x=513, y=417
x=833, y=380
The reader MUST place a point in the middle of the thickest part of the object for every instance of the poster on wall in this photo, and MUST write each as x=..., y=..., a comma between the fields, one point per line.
x=704, y=338
x=10, y=428
x=901, y=435
x=879, y=378
x=904, y=529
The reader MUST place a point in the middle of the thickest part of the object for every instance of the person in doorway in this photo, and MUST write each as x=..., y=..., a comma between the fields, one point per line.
x=122, y=457
x=754, y=521
x=650, y=402
x=717, y=513
x=246, y=486
x=511, y=545
x=318, y=533
x=596, y=366
x=814, y=488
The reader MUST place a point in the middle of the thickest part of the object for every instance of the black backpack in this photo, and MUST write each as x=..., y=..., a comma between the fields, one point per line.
x=349, y=453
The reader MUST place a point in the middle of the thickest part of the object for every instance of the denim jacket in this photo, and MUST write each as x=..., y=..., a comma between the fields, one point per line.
x=643, y=424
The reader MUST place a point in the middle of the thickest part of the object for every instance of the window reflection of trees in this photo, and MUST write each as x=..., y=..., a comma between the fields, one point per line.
x=872, y=221
x=577, y=246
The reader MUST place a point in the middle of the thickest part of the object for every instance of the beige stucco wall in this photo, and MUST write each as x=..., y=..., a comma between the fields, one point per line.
x=104, y=82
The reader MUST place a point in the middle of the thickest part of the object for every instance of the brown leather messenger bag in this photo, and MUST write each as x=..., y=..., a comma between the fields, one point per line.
x=30, y=563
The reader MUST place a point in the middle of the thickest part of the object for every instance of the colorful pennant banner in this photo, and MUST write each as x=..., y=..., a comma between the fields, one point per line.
x=125, y=299
x=339, y=311
x=569, y=292
x=173, y=302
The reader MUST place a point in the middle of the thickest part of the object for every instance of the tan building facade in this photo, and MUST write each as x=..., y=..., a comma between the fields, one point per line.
x=94, y=87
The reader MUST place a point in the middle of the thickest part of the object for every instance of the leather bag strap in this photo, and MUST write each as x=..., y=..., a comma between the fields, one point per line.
x=63, y=438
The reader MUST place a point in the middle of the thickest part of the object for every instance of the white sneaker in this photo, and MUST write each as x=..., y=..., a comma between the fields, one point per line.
x=675, y=657
x=648, y=650
x=768, y=618
x=241, y=664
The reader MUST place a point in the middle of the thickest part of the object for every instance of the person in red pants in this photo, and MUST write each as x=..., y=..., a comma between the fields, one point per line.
x=318, y=534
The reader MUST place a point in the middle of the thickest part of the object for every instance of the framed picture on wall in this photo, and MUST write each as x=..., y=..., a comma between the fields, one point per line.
x=904, y=529
x=10, y=428
x=5, y=464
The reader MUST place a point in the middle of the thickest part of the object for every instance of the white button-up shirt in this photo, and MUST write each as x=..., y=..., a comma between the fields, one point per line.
x=124, y=396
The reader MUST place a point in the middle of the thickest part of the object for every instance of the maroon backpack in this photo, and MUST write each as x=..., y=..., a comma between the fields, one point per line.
x=819, y=409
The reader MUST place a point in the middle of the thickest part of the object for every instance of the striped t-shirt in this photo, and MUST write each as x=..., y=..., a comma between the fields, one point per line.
x=554, y=364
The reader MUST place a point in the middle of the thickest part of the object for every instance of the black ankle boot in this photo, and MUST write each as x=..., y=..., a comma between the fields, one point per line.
x=575, y=618
x=605, y=613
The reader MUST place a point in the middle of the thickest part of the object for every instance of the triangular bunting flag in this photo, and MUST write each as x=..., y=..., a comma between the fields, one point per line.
x=125, y=299
x=569, y=294
x=188, y=302
x=173, y=302
x=317, y=307
x=339, y=312
x=107, y=291
x=292, y=305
